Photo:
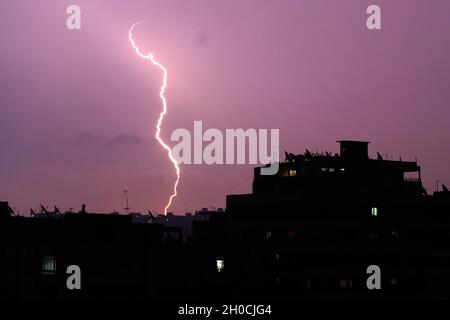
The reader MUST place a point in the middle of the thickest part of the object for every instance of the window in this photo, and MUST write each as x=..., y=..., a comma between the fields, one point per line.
x=331, y=170
x=268, y=235
x=291, y=234
x=10, y=276
x=411, y=176
x=48, y=265
x=394, y=281
x=292, y=173
x=220, y=264
x=308, y=283
x=374, y=236
x=346, y=283
x=395, y=234
x=374, y=211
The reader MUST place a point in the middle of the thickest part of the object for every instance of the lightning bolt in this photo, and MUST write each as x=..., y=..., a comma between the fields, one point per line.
x=152, y=59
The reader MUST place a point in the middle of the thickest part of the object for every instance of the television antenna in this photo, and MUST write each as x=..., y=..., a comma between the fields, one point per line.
x=127, y=208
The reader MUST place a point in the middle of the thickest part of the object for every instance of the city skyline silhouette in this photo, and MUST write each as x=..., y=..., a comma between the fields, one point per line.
x=78, y=108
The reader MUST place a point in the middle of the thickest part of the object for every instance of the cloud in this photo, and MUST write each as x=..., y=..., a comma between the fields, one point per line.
x=83, y=139
x=201, y=38
x=86, y=139
x=124, y=140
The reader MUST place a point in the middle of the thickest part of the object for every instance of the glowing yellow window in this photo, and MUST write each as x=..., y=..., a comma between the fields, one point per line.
x=292, y=173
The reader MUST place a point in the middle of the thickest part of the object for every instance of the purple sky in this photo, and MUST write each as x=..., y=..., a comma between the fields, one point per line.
x=78, y=108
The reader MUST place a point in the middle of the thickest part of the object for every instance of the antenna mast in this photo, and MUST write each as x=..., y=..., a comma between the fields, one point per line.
x=127, y=208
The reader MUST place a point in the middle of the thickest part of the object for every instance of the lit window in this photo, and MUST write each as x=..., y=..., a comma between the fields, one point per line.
x=374, y=211
x=327, y=169
x=346, y=283
x=342, y=169
x=268, y=234
x=220, y=264
x=394, y=281
x=48, y=265
x=292, y=173
x=277, y=256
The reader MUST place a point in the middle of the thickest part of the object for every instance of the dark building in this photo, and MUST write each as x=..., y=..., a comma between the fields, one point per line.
x=5, y=210
x=315, y=227
x=118, y=259
x=310, y=231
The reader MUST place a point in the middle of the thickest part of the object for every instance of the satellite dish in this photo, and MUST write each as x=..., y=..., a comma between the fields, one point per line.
x=379, y=157
x=151, y=215
x=308, y=155
x=288, y=156
x=43, y=209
